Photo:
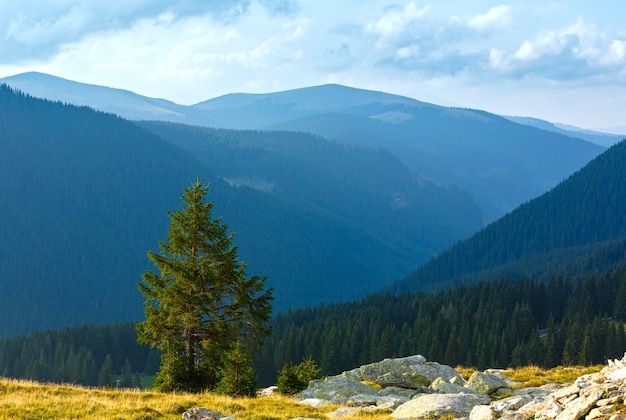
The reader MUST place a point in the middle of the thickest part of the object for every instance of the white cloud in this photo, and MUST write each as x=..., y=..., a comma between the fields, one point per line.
x=576, y=51
x=496, y=17
x=395, y=20
x=616, y=53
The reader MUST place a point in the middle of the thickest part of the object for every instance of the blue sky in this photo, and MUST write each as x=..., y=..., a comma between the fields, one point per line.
x=564, y=61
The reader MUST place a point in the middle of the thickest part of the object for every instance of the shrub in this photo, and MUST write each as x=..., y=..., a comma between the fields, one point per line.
x=293, y=379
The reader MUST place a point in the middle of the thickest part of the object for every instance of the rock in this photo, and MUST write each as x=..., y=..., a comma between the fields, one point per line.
x=371, y=400
x=395, y=391
x=407, y=372
x=514, y=416
x=509, y=404
x=335, y=389
x=541, y=409
x=595, y=395
x=439, y=405
x=486, y=383
x=597, y=412
x=580, y=406
x=314, y=402
x=458, y=380
x=201, y=413
x=266, y=392
x=443, y=387
x=482, y=412
x=343, y=412
x=544, y=390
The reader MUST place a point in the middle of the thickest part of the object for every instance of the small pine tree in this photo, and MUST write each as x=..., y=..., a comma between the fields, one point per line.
x=237, y=374
x=293, y=379
x=308, y=370
x=288, y=382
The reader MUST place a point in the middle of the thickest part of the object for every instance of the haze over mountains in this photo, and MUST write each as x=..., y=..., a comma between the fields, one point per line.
x=500, y=163
x=577, y=227
x=85, y=195
x=354, y=190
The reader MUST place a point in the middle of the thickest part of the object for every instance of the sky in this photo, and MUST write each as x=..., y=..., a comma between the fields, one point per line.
x=563, y=61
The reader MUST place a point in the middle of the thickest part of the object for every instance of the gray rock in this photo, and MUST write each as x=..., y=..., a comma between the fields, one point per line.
x=370, y=400
x=443, y=387
x=266, y=392
x=407, y=372
x=538, y=391
x=439, y=405
x=335, y=389
x=402, y=392
x=580, y=406
x=343, y=412
x=314, y=402
x=201, y=413
x=482, y=412
x=512, y=403
x=486, y=383
x=545, y=408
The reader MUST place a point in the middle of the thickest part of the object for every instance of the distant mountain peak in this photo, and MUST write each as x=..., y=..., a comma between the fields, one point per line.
x=323, y=98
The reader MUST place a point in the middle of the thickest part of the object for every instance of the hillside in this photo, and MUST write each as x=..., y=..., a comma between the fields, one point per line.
x=499, y=162
x=369, y=189
x=86, y=193
x=581, y=216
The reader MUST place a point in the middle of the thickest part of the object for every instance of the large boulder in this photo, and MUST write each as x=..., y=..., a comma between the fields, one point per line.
x=336, y=389
x=407, y=372
x=440, y=405
x=486, y=383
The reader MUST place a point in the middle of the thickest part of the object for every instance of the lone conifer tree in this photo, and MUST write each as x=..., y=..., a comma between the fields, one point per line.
x=202, y=302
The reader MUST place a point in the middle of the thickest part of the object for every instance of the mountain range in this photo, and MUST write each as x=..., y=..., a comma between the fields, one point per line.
x=85, y=195
x=501, y=163
x=333, y=192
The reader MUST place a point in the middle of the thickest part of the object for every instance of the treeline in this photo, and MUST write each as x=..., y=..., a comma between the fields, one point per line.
x=492, y=324
x=87, y=355
x=565, y=321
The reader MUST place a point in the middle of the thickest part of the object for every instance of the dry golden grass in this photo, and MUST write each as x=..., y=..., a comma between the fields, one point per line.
x=32, y=400
x=531, y=376
x=535, y=376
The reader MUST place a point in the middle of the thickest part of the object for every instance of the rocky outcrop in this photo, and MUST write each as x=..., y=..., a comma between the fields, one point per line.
x=409, y=387
x=408, y=372
x=412, y=388
x=424, y=390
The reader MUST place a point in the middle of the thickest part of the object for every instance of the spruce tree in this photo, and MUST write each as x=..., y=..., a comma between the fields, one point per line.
x=237, y=374
x=202, y=301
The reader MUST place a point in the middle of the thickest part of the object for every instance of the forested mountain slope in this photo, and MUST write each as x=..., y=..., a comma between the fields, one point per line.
x=370, y=189
x=85, y=196
x=501, y=163
x=582, y=216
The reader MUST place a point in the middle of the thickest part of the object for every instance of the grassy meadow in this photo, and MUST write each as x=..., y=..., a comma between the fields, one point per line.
x=33, y=400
